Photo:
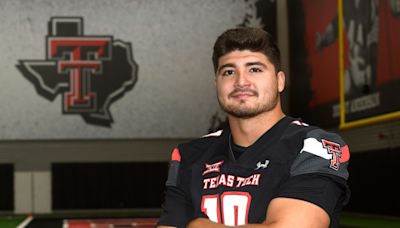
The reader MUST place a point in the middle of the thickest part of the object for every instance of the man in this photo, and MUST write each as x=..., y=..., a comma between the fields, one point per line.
x=264, y=170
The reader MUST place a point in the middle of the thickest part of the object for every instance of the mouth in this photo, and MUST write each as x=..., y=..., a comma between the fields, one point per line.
x=241, y=94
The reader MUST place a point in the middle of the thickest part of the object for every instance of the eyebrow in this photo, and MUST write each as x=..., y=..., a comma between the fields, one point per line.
x=257, y=63
x=224, y=66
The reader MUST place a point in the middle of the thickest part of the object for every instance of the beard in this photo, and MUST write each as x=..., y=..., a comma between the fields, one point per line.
x=246, y=111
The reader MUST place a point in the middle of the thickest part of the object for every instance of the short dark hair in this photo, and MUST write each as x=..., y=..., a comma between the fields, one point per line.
x=245, y=38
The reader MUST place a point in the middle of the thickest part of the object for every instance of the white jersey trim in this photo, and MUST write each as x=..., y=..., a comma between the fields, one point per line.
x=300, y=123
x=214, y=134
x=313, y=146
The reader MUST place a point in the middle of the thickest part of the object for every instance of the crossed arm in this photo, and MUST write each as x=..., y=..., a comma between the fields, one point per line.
x=282, y=212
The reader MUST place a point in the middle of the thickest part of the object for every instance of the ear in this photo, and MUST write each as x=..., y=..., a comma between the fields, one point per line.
x=281, y=81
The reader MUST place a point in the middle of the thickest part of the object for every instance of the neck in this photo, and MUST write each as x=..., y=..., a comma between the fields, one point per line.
x=245, y=132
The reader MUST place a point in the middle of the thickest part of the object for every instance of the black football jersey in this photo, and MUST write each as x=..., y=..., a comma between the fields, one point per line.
x=291, y=160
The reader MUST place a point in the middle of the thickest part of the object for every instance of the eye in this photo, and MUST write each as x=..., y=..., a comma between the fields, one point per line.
x=255, y=70
x=228, y=72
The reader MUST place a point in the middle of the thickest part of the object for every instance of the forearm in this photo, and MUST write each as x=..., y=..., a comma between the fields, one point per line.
x=202, y=222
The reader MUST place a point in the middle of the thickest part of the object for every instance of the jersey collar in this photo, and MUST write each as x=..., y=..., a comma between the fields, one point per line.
x=262, y=144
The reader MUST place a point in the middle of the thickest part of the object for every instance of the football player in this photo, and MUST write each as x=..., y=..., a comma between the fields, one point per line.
x=265, y=169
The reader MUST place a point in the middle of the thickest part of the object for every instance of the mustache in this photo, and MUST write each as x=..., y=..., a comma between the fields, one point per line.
x=239, y=90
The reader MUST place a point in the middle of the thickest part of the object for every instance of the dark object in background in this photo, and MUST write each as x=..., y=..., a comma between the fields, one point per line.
x=119, y=185
x=6, y=187
x=373, y=177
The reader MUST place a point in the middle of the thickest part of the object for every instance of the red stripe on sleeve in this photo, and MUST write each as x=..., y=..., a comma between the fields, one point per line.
x=345, y=154
x=176, y=156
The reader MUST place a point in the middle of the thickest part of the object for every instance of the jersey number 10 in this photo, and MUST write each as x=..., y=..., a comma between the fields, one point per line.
x=233, y=206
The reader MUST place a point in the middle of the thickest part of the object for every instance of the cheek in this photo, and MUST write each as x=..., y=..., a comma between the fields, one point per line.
x=220, y=92
x=222, y=88
x=269, y=87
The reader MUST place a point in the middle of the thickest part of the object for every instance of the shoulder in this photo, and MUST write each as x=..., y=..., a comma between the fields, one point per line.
x=191, y=151
x=311, y=135
x=317, y=151
x=186, y=154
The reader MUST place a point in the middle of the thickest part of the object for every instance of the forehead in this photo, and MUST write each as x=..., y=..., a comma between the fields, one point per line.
x=241, y=57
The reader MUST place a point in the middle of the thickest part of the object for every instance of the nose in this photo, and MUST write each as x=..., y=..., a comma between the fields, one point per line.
x=242, y=79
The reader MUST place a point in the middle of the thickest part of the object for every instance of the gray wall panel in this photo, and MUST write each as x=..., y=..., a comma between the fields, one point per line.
x=171, y=42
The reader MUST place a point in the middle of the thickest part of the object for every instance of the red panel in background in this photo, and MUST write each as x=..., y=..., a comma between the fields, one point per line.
x=324, y=64
x=374, y=76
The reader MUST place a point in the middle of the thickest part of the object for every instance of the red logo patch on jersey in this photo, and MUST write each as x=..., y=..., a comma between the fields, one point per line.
x=334, y=149
x=215, y=167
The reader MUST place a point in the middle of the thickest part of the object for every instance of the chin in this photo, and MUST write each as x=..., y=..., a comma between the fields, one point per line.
x=243, y=112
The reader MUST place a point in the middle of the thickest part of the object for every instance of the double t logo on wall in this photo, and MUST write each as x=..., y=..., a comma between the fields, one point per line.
x=91, y=72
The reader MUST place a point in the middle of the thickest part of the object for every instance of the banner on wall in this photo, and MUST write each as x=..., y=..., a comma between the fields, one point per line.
x=371, y=76
x=127, y=69
x=89, y=72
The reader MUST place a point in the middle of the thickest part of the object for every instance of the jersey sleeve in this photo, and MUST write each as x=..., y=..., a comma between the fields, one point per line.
x=319, y=172
x=177, y=209
x=322, y=152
